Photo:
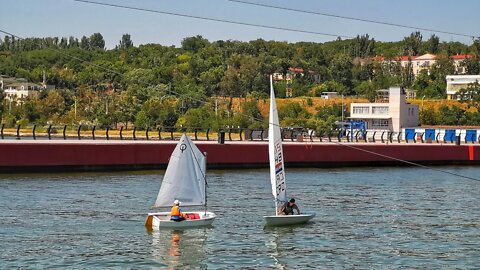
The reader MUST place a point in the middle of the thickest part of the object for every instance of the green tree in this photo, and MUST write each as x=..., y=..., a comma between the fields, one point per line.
x=52, y=106
x=201, y=117
x=126, y=42
x=341, y=69
x=97, y=41
x=476, y=45
x=363, y=46
x=368, y=89
x=422, y=81
x=154, y=112
x=432, y=44
x=85, y=43
x=428, y=116
x=293, y=114
x=250, y=116
x=451, y=116
x=471, y=93
x=126, y=109
x=471, y=65
x=2, y=101
x=194, y=44
x=412, y=44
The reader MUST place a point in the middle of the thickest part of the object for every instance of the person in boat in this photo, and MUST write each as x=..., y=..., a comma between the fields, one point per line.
x=287, y=208
x=176, y=214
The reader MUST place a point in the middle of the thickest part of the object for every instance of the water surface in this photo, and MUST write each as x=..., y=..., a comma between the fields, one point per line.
x=368, y=218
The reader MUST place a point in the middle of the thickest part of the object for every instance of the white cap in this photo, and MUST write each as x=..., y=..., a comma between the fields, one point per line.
x=176, y=202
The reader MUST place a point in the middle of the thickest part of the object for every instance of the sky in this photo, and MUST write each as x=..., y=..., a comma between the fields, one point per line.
x=42, y=18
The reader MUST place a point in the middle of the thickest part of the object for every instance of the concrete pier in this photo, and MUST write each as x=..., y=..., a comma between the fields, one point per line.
x=89, y=155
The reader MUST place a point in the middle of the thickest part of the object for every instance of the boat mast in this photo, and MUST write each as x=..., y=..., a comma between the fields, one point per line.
x=205, y=179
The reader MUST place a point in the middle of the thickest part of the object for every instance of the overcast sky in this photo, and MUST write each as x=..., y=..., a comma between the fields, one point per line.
x=41, y=18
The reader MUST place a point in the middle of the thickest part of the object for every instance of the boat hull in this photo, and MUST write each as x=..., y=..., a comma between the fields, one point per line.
x=284, y=220
x=162, y=220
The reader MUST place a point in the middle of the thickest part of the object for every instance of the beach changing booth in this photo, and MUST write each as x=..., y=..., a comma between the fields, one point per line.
x=430, y=135
x=450, y=135
x=471, y=136
x=409, y=134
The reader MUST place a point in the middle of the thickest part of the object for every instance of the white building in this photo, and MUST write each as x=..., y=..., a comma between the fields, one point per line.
x=421, y=62
x=16, y=89
x=329, y=95
x=20, y=90
x=457, y=82
x=392, y=113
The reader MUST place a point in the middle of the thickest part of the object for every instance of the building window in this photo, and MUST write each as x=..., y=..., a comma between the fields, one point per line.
x=379, y=123
x=361, y=110
x=380, y=110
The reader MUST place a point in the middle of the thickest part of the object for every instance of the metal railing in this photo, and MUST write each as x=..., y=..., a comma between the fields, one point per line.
x=162, y=133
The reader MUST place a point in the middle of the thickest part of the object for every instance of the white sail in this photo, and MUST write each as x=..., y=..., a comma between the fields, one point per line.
x=275, y=151
x=184, y=178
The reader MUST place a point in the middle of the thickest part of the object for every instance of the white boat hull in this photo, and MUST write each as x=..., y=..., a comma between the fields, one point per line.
x=283, y=220
x=162, y=220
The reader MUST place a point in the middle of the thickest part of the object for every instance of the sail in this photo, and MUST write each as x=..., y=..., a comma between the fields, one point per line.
x=184, y=178
x=275, y=151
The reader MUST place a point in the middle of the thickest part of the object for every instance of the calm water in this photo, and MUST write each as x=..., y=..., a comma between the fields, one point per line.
x=369, y=218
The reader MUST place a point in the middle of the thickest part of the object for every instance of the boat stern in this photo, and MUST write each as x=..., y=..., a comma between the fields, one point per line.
x=149, y=222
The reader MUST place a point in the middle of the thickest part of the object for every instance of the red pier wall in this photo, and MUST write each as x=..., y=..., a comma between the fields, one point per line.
x=20, y=156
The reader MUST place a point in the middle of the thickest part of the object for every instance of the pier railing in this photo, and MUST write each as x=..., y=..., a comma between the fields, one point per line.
x=162, y=133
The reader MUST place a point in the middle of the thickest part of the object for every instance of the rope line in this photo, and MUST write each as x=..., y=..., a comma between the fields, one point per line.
x=407, y=162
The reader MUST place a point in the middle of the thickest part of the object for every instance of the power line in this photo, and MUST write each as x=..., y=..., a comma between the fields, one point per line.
x=353, y=19
x=213, y=19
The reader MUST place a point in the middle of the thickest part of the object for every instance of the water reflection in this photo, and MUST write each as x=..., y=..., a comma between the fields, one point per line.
x=274, y=244
x=179, y=248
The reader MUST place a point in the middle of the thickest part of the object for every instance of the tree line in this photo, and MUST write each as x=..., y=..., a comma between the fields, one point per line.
x=195, y=84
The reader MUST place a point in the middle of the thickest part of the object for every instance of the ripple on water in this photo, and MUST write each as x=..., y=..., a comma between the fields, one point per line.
x=367, y=218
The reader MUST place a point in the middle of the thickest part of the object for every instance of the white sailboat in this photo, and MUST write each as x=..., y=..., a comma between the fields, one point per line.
x=277, y=170
x=185, y=181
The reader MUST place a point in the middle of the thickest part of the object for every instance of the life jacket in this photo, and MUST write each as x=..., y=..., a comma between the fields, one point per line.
x=175, y=211
x=193, y=216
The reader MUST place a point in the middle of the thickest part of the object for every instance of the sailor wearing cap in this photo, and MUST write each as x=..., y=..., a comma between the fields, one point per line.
x=176, y=213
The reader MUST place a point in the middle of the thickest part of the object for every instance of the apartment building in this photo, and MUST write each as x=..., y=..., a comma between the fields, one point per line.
x=391, y=112
x=421, y=62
